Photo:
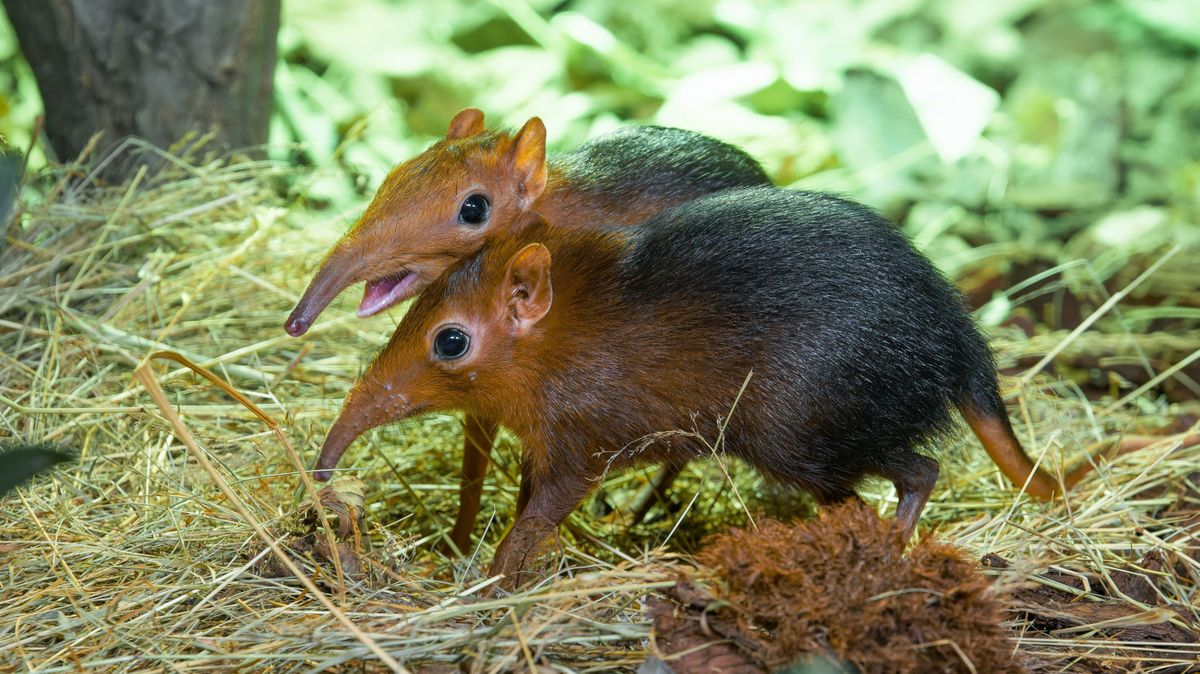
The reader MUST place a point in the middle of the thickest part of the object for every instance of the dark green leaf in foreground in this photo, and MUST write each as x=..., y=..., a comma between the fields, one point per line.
x=11, y=165
x=19, y=462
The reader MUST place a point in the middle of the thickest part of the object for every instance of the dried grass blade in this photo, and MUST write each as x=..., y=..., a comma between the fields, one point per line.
x=160, y=398
x=292, y=453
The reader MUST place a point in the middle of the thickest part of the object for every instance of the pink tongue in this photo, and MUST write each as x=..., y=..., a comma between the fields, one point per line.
x=383, y=293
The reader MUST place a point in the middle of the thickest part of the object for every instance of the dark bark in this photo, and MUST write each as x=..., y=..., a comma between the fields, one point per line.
x=157, y=69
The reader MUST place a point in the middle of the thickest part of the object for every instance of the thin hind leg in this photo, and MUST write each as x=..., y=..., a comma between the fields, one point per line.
x=914, y=476
x=653, y=493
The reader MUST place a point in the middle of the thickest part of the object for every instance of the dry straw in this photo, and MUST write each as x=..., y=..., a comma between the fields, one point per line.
x=148, y=552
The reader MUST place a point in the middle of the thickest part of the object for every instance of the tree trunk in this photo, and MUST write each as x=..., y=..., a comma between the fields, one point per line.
x=150, y=68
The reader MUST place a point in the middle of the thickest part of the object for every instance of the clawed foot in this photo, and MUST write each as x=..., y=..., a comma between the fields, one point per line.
x=526, y=553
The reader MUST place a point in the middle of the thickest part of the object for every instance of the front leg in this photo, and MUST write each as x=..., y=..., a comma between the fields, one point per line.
x=655, y=492
x=526, y=490
x=478, y=435
x=548, y=499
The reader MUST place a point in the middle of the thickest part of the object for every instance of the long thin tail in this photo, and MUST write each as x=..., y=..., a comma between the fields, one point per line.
x=997, y=436
x=1002, y=445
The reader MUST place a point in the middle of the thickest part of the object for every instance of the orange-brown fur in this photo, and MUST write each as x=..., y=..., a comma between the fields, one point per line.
x=649, y=334
x=411, y=225
x=515, y=175
x=495, y=384
x=518, y=374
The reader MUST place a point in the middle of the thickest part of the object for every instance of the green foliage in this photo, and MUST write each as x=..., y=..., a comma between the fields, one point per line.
x=20, y=101
x=999, y=135
x=1008, y=133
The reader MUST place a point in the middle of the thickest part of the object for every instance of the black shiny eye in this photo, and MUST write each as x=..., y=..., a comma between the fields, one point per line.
x=451, y=343
x=474, y=210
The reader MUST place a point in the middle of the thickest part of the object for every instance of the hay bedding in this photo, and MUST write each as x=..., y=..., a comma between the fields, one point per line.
x=132, y=559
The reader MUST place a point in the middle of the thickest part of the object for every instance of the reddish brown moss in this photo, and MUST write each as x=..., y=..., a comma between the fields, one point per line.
x=840, y=585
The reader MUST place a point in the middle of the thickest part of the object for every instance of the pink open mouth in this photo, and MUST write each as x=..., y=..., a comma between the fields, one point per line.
x=385, y=292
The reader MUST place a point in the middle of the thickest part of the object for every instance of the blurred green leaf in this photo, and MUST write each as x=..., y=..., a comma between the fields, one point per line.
x=994, y=312
x=877, y=134
x=780, y=98
x=1178, y=18
x=491, y=30
x=952, y=107
x=724, y=82
x=1136, y=229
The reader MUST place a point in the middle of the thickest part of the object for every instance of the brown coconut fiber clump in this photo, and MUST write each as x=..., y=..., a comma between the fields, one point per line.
x=841, y=586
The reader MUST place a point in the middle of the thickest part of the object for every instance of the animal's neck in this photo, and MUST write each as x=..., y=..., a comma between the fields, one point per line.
x=559, y=196
x=568, y=349
x=576, y=203
x=609, y=364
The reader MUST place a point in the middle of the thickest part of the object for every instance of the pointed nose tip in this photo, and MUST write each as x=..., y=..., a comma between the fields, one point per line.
x=296, y=326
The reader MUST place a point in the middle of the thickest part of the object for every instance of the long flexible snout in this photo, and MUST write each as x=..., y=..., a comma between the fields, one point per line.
x=338, y=272
x=340, y=437
x=368, y=405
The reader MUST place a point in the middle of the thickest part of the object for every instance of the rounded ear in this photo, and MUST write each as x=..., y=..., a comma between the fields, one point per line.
x=526, y=294
x=528, y=159
x=469, y=122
